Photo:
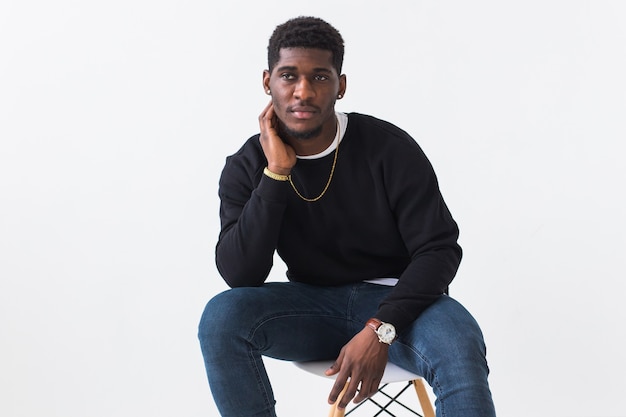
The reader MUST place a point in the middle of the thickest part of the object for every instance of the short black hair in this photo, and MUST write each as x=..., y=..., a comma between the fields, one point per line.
x=306, y=32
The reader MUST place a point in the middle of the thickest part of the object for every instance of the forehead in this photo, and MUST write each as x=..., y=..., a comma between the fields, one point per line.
x=305, y=58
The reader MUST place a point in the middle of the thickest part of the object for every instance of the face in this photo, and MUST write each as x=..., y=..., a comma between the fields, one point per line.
x=304, y=86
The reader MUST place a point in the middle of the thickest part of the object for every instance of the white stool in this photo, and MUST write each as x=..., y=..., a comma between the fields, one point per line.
x=393, y=373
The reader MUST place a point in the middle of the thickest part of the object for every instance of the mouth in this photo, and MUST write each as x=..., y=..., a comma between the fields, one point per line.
x=303, y=112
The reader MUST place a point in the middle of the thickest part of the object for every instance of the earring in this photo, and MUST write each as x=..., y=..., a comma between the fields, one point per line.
x=340, y=96
x=268, y=91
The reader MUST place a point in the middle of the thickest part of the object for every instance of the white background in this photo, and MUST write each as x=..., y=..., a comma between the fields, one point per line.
x=116, y=117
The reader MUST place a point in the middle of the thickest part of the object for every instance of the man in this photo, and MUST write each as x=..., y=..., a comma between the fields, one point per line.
x=353, y=207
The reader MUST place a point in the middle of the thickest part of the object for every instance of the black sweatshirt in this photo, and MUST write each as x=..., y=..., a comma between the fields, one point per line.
x=383, y=216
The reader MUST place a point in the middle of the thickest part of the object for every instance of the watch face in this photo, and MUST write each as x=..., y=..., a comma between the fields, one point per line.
x=386, y=333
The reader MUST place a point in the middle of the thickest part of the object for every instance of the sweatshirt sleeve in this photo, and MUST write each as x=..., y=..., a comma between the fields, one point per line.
x=251, y=212
x=429, y=232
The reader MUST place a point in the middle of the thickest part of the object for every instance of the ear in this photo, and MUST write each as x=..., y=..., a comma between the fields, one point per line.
x=343, y=83
x=266, y=81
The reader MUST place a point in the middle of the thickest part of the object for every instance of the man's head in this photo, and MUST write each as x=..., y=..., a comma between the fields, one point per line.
x=306, y=32
x=304, y=78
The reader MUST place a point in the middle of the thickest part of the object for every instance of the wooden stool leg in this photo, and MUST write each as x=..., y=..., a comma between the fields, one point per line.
x=335, y=411
x=422, y=395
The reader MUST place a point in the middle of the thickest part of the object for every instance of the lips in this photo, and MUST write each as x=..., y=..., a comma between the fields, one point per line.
x=303, y=112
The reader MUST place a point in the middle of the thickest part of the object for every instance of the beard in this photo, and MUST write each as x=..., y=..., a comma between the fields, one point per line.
x=284, y=131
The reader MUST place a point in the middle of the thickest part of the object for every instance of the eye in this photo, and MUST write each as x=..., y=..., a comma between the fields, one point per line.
x=287, y=76
x=321, y=78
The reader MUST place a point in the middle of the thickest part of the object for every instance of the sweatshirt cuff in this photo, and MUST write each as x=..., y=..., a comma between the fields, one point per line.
x=390, y=315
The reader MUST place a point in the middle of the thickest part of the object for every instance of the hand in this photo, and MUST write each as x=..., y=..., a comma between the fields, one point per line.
x=281, y=157
x=363, y=360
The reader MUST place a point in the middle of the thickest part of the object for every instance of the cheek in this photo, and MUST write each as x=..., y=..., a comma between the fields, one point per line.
x=277, y=103
x=280, y=99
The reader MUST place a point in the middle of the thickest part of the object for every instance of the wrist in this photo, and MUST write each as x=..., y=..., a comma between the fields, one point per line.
x=386, y=332
x=279, y=170
x=278, y=176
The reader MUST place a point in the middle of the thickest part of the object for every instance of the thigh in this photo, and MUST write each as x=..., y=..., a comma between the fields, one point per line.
x=445, y=334
x=285, y=320
x=445, y=345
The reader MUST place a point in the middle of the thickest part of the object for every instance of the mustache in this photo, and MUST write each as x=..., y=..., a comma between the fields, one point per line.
x=302, y=106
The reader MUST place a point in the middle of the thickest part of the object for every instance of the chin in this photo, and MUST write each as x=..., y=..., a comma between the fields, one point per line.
x=301, y=133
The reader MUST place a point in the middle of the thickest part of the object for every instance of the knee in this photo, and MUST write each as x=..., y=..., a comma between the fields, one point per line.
x=217, y=314
x=225, y=314
x=210, y=313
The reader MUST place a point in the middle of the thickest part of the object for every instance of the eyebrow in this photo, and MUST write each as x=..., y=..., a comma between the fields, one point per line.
x=294, y=68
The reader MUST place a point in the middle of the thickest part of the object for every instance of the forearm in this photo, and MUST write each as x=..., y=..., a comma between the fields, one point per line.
x=425, y=279
x=245, y=250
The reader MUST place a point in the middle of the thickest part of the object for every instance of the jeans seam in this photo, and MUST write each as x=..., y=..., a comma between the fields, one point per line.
x=350, y=312
x=257, y=374
x=274, y=316
x=354, y=293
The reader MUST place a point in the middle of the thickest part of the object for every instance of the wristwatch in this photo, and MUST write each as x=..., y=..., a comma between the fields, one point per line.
x=385, y=331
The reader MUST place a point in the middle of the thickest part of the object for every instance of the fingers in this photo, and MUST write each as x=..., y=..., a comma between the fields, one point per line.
x=343, y=391
x=340, y=382
x=350, y=392
x=266, y=118
x=346, y=385
x=335, y=367
x=338, y=390
x=358, y=374
x=265, y=110
x=368, y=388
x=280, y=156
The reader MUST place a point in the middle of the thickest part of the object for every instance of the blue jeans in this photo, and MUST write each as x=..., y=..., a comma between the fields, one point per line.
x=300, y=322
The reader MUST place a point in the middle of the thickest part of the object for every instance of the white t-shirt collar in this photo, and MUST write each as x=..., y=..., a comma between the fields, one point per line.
x=342, y=124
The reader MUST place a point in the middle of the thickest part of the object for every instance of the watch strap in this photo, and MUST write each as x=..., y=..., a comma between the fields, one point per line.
x=373, y=323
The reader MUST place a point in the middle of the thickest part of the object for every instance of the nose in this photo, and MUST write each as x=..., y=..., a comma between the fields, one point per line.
x=304, y=89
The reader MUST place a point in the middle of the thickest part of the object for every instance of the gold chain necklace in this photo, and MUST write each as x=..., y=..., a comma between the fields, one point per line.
x=330, y=177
